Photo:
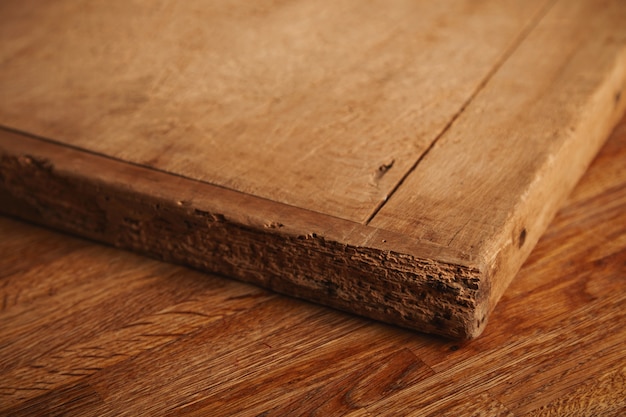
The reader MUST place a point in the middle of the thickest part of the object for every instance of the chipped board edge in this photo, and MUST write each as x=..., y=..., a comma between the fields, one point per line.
x=554, y=181
x=331, y=261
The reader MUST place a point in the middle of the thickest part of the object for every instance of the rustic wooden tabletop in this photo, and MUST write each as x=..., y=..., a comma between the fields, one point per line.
x=90, y=330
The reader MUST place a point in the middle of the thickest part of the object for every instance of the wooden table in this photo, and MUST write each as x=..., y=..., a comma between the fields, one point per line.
x=90, y=330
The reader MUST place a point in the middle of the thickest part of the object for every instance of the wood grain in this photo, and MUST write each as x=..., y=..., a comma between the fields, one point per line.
x=493, y=182
x=89, y=330
x=280, y=247
x=304, y=102
x=228, y=138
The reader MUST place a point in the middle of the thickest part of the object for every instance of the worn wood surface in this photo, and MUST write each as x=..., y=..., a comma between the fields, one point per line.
x=493, y=182
x=90, y=330
x=331, y=152
x=300, y=102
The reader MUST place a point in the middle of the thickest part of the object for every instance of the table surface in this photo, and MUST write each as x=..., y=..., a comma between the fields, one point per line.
x=92, y=330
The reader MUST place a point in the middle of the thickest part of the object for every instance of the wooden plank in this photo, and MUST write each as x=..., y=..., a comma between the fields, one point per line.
x=283, y=248
x=320, y=105
x=435, y=258
x=493, y=182
x=271, y=354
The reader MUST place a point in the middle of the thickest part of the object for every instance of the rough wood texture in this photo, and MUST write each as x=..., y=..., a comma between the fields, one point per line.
x=342, y=156
x=89, y=330
x=321, y=258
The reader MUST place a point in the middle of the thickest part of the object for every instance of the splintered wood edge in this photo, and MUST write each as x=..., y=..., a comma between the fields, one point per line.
x=339, y=263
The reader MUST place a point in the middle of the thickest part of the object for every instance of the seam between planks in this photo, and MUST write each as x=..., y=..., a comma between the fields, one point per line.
x=519, y=39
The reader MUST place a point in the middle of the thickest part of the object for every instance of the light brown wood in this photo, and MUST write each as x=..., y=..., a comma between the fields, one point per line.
x=89, y=330
x=304, y=103
x=397, y=160
x=493, y=182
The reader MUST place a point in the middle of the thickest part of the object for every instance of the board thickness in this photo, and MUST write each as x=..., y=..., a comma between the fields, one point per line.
x=395, y=159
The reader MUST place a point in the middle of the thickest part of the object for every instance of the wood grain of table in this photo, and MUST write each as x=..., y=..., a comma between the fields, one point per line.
x=88, y=330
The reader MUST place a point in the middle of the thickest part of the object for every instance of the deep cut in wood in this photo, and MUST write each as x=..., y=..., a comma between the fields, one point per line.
x=396, y=160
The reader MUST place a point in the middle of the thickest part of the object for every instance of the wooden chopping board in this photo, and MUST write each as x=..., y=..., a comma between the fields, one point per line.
x=394, y=159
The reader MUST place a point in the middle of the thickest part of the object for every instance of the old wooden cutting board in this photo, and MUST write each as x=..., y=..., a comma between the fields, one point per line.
x=396, y=159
